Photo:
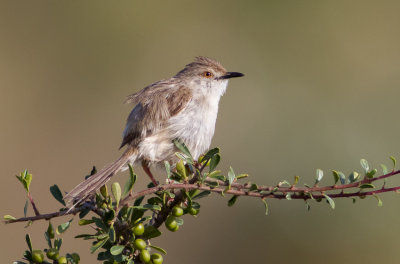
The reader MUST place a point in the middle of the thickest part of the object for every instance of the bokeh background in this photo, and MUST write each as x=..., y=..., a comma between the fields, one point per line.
x=321, y=91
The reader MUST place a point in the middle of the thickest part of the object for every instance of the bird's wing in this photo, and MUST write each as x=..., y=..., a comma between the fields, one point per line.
x=155, y=104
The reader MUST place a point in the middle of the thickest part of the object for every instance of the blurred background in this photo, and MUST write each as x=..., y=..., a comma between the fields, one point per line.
x=321, y=91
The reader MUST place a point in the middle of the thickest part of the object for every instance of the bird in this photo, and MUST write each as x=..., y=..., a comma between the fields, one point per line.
x=183, y=107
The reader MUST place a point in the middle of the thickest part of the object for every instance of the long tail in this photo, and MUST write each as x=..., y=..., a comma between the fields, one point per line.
x=92, y=184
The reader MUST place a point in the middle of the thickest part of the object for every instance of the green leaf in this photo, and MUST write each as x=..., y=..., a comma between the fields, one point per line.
x=63, y=227
x=28, y=255
x=58, y=243
x=168, y=169
x=371, y=173
x=342, y=177
x=85, y=236
x=354, y=176
x=215, y=174
x=330, y=201
x=28, y=242
x=138, y=201
x=384, y=169
x=156, y=200
x=98, y=245
x=231, y=176
x=366, y=185
x=214, y=161
x=211, y=153
x=73, y=258
x=308, y=206
x=116, y=191
x=319, y=176
x=394, y=162
x=9, y=217
x=232, y=201
x=288, y=196
x=183, y=157
x=380, y=203
x=182, y=147
x=111, y=234
x=50, y=230
x=253, y=187
x=296, y=179
x=55, y=191
x=179, y=221
x=364, y=165
x=285, y=182
x=25, y=178
x=131, y=181
x=84, y=212
x=151, y=232
x=335, y=176
x=83, y=222
x=201, y=195
x=180, y=169
x=47, y=238
x=148, y=207
x=116, y=250
x=243, y=175
x=266, y=205
x=26, y=208
x=159, y=249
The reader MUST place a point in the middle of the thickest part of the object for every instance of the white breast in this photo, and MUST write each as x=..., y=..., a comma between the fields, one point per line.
x=195, y=126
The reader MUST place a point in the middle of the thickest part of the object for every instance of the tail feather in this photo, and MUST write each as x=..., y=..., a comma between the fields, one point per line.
x=94, y=182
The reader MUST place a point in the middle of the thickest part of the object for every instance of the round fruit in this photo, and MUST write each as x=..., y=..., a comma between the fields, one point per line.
x=140, y=244
x=52, y=253
x=145, y=256
x=175, y=229
x=177, y=211
x=138, y=230
x=37, y=256
x=62, y=260
x=171, y=223
x=156, y=258
x=193, y=211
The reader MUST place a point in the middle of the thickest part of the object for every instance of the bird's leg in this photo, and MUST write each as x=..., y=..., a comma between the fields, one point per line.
x=146, y=169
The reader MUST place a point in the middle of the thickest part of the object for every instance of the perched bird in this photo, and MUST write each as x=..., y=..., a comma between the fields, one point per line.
x=183, y=107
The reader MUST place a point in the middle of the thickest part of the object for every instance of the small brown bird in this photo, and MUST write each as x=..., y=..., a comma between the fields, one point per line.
x=183, y=107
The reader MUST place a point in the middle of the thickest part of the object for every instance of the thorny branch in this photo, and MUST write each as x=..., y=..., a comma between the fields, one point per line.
x=238, y=189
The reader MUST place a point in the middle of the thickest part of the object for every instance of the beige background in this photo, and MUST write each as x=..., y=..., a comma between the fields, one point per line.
x=321, y=91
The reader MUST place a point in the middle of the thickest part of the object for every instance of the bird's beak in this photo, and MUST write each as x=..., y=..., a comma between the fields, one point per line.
x=229, y=75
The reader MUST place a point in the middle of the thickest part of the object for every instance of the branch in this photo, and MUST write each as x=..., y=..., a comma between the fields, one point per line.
x=275, y=192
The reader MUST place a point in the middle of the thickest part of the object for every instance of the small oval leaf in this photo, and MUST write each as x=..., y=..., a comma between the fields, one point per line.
x=330, y=201
x=116, y=250
x=63, y=227
x=319, y=176
x=116, y=191
x=55, y=191
x=364, y=165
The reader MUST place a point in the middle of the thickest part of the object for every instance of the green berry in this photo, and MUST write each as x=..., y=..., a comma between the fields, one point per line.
x=156, y=258
x=52, y=253
x=175, y=229
x=193, y=211
x=171, y=223
x=140, y=244
x=37, y=256
x=138, y=229
x=145, y=256
x=177, y=211
x=62, y=260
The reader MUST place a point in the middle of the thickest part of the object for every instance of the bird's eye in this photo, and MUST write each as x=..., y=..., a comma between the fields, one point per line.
x=208, y=74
